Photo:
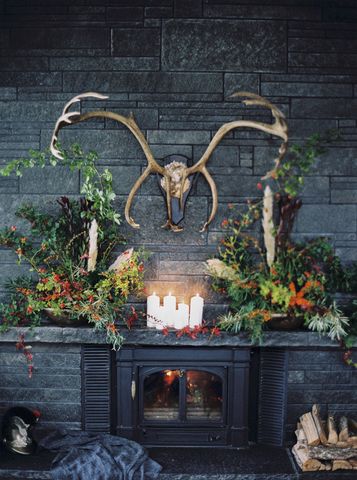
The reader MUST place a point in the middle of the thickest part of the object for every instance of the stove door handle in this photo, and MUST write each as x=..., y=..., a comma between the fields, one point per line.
x=133, y=389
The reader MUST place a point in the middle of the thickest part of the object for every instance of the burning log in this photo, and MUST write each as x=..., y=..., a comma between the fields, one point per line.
x=343, y=435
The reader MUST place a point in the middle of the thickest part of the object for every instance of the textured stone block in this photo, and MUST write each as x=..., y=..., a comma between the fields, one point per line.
x=109, y=64
x=145, y=118
x=303, y=129
x=325, y=219
x=114, y=144
x=222, y=156
x=336, y=161
x=125, y=14
x=171, y=267
x=321, y=45
x=7, y=93
x=306, y=89
x=207, y=45
x=188, y=8
x=146, y=82
x=323, y=108
x=348, y=255
x=327, y=377
x=335, y=14
x=40, y=395
x=41, y=381
x=231, y=184
x=27, y=79
x=158, y=12
x=136, y=42
x=59, y=38
x=5, y=37
x=29, y=111
x=240, y=82
x=58, y=181
x=295, y=376
x=287, y=12
x=8, y=185
x=326, y=63
x=162, y=151
x=22, y=64
x=179, y=138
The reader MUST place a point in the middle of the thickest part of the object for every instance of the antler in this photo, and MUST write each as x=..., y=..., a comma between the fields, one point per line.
x=153, y=166
x=279, y=128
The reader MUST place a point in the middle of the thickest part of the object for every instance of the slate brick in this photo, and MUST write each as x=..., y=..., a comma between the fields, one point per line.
x=60, y=38
x=112, y=144
x=158, y=12
x=329, y=61
x=124, y=14
x=103, y=64
x=240, y=82
x=263, y=12
x=42, y=395
x=146, y=82
x=136, y=42
x=327, y=218
x=21, y=64
x=185, y=45
x=306, y=89
x=318, y=45
x=179, y=138
x=335, y=14
x=59, y=180
x=188, y=8
x=222, y=156
x=27, y=79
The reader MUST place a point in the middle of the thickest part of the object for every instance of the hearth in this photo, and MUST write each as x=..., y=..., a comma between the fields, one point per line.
x=183, y=396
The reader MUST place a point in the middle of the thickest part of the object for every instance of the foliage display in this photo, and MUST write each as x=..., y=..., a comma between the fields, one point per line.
x=293, y=279
x=71, y=255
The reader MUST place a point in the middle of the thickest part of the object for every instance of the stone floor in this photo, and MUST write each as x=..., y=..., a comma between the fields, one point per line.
x=184, y=463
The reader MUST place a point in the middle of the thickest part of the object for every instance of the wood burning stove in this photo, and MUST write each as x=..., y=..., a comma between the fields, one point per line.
x=183, y=396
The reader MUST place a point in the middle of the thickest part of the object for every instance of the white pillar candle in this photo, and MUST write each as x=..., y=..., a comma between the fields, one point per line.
x=161, y=323
x=179, y=319
x=170, y=305
x=152, y=309
x=196, y=311
x=170, y=302
x=185, y=310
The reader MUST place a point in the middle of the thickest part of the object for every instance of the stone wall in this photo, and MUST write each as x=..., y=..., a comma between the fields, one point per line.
x=319, y=375
x=175, y=64
x=54, y=389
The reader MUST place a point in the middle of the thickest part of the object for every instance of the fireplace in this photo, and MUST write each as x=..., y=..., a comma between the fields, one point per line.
x=176, y=396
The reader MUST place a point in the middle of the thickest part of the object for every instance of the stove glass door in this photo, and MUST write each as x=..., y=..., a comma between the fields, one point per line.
x=181, y=395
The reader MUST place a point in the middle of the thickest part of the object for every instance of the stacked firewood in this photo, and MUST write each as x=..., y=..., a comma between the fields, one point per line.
x=323, y=446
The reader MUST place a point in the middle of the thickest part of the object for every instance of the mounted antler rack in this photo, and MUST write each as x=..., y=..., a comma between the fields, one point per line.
x=182, y=184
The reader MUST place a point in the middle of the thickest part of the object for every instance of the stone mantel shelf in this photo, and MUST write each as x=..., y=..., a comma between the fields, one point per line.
x=151, y=337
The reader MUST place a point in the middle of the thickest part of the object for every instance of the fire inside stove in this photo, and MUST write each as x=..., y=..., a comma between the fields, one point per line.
x=186, y=395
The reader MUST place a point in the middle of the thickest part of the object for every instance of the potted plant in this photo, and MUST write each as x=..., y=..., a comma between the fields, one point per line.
x=285, y=284
x=74, y=275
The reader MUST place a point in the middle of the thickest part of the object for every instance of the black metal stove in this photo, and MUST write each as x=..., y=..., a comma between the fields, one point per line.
x=183, y=396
